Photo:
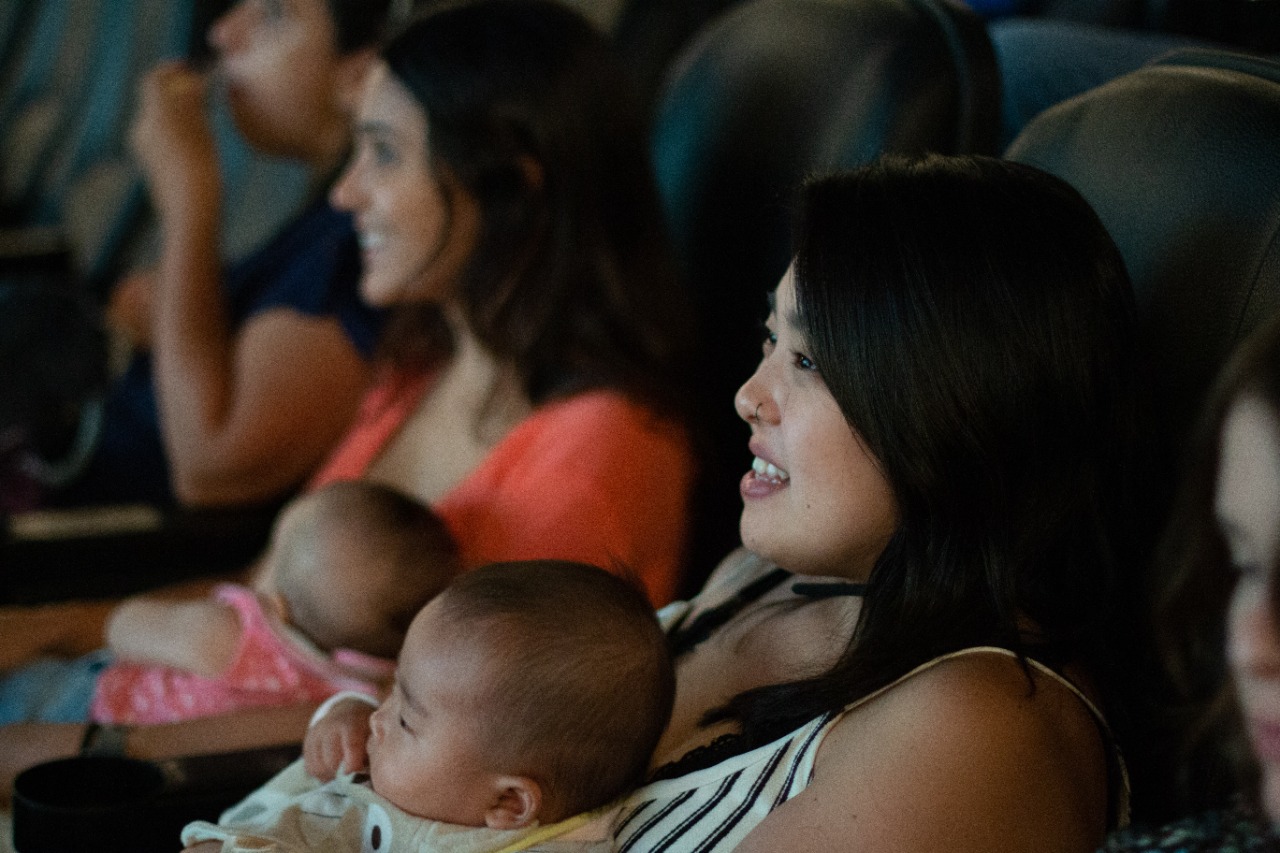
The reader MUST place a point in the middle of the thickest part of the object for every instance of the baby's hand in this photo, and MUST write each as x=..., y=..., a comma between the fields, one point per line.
x=338, y=740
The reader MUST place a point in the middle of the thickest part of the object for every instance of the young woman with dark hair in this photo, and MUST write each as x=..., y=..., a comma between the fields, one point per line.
x=990, y=379
x=912, y=653
x=538, y=156
x=1217, y=619
x=510, y=224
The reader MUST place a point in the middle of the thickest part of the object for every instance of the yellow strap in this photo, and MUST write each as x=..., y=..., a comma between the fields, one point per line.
x=545, y=833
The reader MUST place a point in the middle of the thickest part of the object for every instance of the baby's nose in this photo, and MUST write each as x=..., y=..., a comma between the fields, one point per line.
x=376, y=724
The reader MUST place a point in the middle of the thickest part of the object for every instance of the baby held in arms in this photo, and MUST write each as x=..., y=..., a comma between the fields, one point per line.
x=528, y=696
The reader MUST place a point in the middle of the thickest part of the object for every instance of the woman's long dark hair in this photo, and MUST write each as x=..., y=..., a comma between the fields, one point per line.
x=975, y=324
x=1211, y=759
x=572, y=281
x=358, y=23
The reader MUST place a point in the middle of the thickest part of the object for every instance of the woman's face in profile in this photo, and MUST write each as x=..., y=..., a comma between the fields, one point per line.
x=815, y=501
x=1247, y=506
x=414, y=239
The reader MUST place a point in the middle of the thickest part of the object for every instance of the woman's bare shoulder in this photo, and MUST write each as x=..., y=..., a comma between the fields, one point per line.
x=985, y=699
x=964, y=754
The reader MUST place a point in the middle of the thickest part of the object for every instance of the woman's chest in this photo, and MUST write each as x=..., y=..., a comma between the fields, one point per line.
x=714, y=809
x=430, y=454
x=448, y=435
x=775, y=641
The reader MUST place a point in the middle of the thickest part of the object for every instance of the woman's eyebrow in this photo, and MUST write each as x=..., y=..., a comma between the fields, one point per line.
x=375, y=127
x=792, y=319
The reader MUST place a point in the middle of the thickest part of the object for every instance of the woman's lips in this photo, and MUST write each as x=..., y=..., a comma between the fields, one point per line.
x=764, y=479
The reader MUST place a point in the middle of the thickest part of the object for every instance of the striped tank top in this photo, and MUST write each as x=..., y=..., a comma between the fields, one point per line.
x=712, y=810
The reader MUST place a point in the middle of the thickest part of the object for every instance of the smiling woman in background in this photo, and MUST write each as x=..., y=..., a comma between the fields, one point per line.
x=509, y=222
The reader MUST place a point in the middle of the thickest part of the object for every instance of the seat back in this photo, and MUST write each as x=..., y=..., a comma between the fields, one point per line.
x=649, y=34
x=15, y=25
x=767, y=94
x=1044, y=61
x=51, y=87
x=1111, y=13
x=137, y=34
x=1181, y=162
x=34, y=52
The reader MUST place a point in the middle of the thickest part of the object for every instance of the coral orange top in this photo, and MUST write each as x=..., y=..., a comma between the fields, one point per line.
x=595, y=477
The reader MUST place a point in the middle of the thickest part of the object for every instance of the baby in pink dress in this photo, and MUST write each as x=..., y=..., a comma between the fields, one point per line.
x=348, y=568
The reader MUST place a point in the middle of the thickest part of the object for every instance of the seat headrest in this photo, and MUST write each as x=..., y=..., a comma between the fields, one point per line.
x=774, y=90
x=1181, y=161
x=1242, y=63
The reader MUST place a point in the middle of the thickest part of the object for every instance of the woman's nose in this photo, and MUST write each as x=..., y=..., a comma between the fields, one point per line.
x=346, y=193
x=752, y=402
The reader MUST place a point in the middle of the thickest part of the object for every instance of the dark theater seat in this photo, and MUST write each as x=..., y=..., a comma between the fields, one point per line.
x=1180, y=160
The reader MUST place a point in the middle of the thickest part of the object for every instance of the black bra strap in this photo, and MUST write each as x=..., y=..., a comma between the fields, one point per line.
x=831, y=589
x=683, y=637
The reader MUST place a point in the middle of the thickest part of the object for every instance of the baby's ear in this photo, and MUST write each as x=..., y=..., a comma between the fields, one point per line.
x=517, y=800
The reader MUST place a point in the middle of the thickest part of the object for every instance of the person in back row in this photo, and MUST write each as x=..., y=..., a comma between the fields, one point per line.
x=242, y=379
x=1220, y=619
x=348, y=568
x=527, y=695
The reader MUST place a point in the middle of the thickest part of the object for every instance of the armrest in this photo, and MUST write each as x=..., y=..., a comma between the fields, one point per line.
x=34, y=249
x=115, y=551
x=128, y=804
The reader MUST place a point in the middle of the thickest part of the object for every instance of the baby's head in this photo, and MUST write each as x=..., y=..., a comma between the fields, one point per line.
x=525, y=691
x=354, y=562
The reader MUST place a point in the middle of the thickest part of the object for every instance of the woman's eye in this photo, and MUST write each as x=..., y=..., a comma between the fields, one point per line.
x=273, y=10
x=803, y=362
x=383, y=153
x=768, y=339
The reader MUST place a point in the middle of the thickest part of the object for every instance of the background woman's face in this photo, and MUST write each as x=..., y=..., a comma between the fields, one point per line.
x=414, y=240
x=816, y=501
x=279, y=62
x=1248, y=510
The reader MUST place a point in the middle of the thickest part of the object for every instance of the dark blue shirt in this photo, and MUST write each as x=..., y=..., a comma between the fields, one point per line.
x=311, y=266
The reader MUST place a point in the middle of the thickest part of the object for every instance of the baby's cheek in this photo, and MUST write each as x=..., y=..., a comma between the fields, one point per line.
x=383, y=778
